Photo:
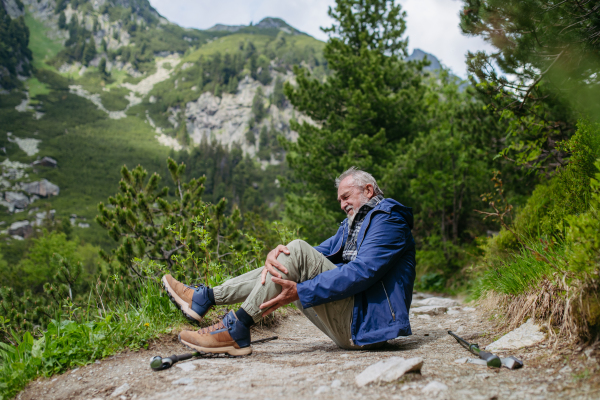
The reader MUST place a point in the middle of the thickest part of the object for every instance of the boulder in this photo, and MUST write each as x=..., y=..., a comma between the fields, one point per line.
x=388, y=370
x=429, y=310
x=21, y=229
x=526, y=335
x=16, y=199
x=41, y=188
x=435, y=301
x=46, y=162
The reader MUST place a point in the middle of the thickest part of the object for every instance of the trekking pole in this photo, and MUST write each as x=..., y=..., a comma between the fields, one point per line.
x=158, y=363
x=492, y=360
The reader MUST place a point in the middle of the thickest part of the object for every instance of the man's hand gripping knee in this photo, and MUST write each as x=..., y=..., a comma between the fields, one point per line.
x=272, y=265
x=288, y=288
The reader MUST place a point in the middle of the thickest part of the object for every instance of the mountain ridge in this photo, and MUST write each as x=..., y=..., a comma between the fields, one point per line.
x=265, y=23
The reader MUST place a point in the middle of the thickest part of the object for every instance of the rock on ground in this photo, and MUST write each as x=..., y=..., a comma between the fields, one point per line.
x=16, y=199
x=388, y=370
x=526, y=335
x=435, y=301
x=21, y=228
x=120, y=390
x=428, y=310
x=42, y=188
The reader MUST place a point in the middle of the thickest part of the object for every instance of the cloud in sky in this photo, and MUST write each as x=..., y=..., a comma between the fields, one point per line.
x=432, y=25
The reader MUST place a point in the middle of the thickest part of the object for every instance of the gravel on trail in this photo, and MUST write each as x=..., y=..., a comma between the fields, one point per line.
x=305, y=364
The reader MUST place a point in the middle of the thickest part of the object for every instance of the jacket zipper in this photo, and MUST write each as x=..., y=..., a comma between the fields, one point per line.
x=364, y=234
x=389, y=302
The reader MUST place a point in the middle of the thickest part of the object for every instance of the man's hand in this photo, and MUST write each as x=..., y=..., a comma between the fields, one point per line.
x=288, y=294
x=272, y=263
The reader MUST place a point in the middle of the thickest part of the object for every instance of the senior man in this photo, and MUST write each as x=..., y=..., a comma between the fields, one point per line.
x=356, y=286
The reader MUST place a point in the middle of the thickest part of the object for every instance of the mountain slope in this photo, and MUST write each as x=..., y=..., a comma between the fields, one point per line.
x=115, y=83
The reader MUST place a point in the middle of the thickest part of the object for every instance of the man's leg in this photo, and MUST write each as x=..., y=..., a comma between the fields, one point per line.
x=303, y=263
x=195, y=301
x=232, y=334
x=236, y=290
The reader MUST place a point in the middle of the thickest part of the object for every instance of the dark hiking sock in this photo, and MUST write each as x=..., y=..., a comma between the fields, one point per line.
x=244, y=318
x=211, y=296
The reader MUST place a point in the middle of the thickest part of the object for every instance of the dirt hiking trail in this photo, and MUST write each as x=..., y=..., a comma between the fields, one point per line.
x=305, y=364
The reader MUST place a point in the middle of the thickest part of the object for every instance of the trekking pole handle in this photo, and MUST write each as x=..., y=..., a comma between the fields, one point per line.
x=182, y=357
x=158, y=363
x=492, y=360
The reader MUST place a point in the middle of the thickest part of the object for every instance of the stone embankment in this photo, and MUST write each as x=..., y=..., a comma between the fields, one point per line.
x=18, y=192
x=304, y=364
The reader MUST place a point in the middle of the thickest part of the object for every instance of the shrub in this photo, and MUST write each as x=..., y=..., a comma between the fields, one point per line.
x=553, y=272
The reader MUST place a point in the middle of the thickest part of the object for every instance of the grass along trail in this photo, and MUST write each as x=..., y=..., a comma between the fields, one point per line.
x=305, y=364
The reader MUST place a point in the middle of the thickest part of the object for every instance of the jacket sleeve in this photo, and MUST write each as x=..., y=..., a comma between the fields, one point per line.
x=383, y=245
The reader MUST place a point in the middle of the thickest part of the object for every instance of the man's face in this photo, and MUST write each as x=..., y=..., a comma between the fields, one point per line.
x=351, y=197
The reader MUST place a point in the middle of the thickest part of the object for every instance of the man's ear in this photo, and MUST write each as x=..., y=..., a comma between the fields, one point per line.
x=369, y=191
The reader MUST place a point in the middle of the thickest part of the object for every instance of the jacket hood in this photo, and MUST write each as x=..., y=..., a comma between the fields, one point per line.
x=406, y=212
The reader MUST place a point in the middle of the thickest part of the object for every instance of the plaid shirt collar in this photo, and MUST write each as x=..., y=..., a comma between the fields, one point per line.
x=350, y=250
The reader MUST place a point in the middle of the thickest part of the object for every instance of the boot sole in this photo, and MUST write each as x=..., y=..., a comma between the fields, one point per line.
x=181, y=304
x=232, y=351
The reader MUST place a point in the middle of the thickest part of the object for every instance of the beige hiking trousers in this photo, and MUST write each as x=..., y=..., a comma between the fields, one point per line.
x=303, y=263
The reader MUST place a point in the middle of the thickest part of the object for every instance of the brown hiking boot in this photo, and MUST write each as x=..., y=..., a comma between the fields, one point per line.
x=228, y=336
x=192, y=301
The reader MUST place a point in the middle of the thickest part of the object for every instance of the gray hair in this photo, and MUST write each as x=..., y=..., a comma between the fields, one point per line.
x=361, y=179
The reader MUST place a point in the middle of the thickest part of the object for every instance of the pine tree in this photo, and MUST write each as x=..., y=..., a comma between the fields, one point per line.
x=62, y=21
x=89, y=52
x=541, y=75
x=182, y=231
x=278, y=97
x=102, y=67
x=368, y=105
x=66, y=228
x=258, y=106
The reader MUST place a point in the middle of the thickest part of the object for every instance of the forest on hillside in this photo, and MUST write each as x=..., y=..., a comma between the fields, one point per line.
x=502, y=173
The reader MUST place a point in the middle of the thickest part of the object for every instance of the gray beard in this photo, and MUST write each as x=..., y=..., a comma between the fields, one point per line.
x=351, y=217
x=364, y=200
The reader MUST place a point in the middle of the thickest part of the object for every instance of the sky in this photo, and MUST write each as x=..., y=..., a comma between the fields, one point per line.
x=432, y=25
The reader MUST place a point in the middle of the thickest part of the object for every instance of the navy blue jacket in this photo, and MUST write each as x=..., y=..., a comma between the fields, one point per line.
x=381, y=278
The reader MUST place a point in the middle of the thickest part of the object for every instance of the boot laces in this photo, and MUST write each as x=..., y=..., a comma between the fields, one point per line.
x=192, y=287
x=219, y=325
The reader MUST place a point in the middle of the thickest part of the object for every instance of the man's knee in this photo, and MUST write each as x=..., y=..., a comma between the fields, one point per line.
x=298, y=246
